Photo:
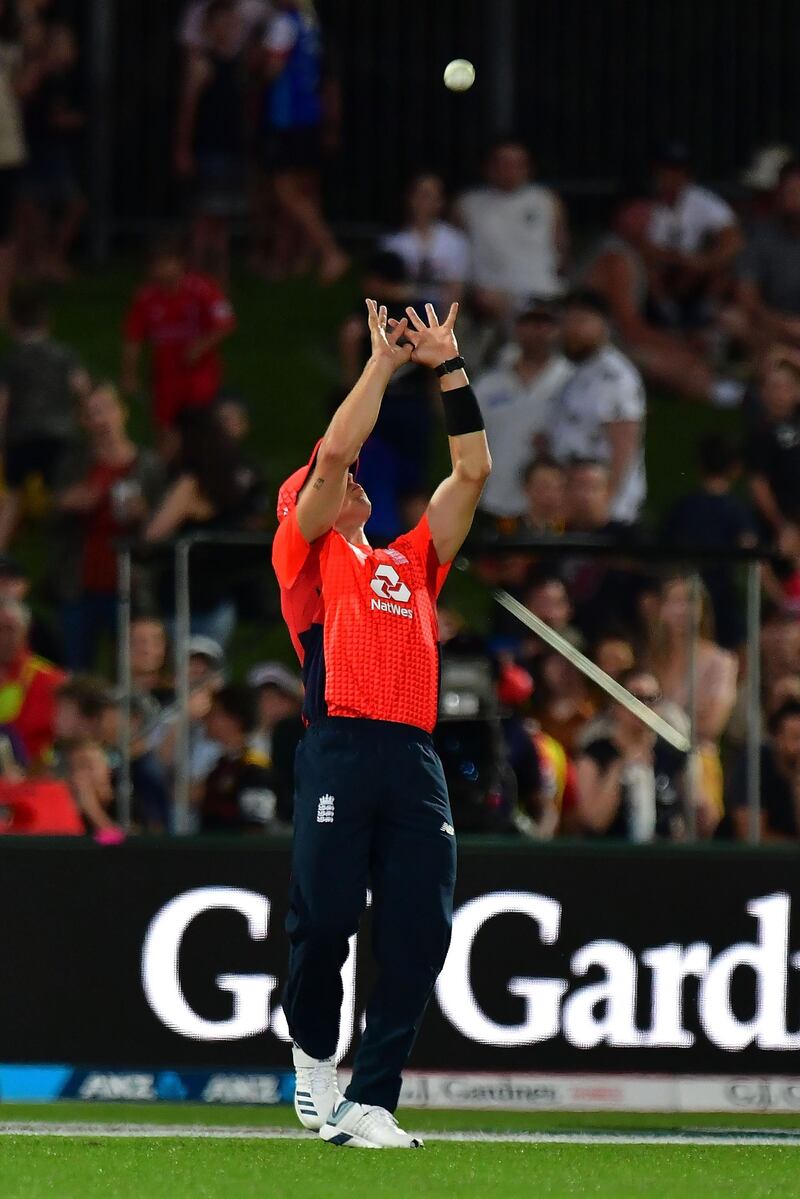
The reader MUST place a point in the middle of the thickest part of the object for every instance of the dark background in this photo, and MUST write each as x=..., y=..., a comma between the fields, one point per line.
x=593, y=84
x=76, y=915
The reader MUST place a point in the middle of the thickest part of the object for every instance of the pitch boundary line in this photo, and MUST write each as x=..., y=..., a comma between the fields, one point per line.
x=734, y=1138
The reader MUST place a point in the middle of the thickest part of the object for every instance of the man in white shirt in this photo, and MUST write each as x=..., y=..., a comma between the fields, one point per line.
x=599, y=414
x=515, y=401
x=693, y=237
x=518, y=234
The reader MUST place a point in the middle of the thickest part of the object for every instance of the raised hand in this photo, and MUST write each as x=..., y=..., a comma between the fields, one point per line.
x=433, y=343
x=384, y=345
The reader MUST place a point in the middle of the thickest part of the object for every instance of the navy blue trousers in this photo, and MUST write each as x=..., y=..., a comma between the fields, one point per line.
x=371, y=811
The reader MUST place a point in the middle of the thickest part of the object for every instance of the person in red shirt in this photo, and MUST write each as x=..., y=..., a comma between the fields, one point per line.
x=371, y=803
x=183, y=317
x=28, y=686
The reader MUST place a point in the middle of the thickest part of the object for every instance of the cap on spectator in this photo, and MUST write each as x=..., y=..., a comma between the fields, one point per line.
x=672, y=154
x=207, y=647
x=537, y=309
x=10, y=568
x=763, y=173
x=275, y=674
x=590, y=301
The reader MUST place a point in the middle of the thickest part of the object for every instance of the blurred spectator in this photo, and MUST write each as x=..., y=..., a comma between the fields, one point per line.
x=716, y=670
x=713, y=518
x=617, y=270
x=28, y=686
x=516, y=402
x=544, y=483
x=40, y=380
x=183, y=318
x=633, y=786
x=436, y=255
x=107, y=488
x=761, y=178
x=280, y=727
x=52, y=206
x=769, y=269
x=693, y=237
x=15, y=584
x=214, y=491
x=90, y=779
x=301, y=118
x=238, y=795
x=233, y=414
x=773, y=450
x=210, y=137
x=393, y=465
x=599, y=413
x=518, y=233
x=13, y=151
x=206, y=677
x=252, y=19
x=149, y=648
x=562, y=703
x=780, y=780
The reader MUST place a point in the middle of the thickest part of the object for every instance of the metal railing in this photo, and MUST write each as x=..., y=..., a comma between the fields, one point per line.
x=551, y=547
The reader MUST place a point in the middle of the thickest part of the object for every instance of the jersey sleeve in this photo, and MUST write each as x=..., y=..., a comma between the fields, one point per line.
x=420, y=541
x=290, y=551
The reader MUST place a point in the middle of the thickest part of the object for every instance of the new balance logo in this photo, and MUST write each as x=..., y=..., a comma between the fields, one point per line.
x=448, y=828
x=393, y=593
x=325, y=809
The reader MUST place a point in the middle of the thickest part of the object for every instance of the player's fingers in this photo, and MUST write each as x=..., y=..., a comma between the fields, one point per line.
x=399, y=328
x=416, y=319
x=452, y=314
x=372, y=312
x=433, y=319
x=382, y=316
x=412, y=336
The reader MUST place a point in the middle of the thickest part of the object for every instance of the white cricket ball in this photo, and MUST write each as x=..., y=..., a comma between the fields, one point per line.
x=459, y=75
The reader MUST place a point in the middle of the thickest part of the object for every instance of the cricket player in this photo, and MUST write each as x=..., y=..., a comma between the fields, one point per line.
x=371, y=803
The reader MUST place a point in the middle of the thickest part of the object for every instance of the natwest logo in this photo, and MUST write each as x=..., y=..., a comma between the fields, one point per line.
x=392, y=592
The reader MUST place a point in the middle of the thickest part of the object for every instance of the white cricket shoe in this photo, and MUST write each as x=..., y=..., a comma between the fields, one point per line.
x=362, y=1127
x=316, y=1091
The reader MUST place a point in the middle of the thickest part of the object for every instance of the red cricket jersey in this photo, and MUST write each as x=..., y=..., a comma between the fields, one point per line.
x=363, y=623
x=169, y=322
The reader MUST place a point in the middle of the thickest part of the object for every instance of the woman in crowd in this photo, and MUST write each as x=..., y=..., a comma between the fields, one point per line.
x=670, y=657
x=436, y=255
x=632, y=786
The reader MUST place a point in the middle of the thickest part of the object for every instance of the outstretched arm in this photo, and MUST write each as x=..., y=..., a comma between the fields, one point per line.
x=452, y=506
x=321, y=499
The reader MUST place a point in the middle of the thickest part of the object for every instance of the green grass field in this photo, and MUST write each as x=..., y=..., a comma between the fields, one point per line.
x=189, y=1152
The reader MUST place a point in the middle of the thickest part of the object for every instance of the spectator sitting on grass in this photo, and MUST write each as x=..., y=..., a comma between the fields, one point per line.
x=40, y=381
x=238, y=794
x=773, y=457
x=711, y=517
x=516, y=401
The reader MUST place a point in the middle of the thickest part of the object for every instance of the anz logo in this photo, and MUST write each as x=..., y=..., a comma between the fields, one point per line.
x=391, y=591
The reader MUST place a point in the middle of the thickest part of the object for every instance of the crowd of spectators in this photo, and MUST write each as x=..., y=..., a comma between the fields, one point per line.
x=567, y=338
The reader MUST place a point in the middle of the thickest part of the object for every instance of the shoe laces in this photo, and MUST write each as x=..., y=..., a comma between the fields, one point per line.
x=320, y=1077
x=378, y=1116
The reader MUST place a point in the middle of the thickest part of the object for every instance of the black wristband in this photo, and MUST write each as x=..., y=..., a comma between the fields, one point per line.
x=462, y=413
x=447, y=368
